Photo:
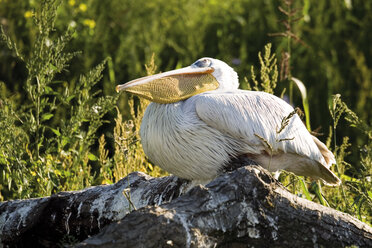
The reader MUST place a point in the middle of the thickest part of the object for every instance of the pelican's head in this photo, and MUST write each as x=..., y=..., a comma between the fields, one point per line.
x=205, y=74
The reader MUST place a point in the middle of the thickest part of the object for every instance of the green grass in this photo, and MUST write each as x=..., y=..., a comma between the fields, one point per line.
x=56, y=130
x=49, y=144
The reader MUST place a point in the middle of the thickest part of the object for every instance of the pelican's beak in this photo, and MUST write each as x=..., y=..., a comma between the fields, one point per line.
x=172, y=86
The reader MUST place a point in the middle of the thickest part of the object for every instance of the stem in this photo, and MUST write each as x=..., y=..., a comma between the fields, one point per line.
x=318, y=193
x=289, y=76
x=37, y=116
x=338, y=171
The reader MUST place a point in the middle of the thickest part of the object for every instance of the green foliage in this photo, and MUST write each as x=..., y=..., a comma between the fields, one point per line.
x=128, y=153
x=354, y=194
x=41, y=152
x=305, y=101
x=335, y=59
x=268, y=73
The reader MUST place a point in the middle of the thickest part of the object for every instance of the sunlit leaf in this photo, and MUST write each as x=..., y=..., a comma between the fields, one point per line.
x=55, y=131
x=304, y=189
x=46, y=117
x=92, y=157
x=301, y=87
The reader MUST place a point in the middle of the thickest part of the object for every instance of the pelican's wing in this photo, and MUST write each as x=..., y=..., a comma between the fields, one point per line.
x=255, y=118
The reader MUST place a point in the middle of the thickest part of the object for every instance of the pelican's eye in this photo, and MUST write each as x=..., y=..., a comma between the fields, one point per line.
x=203, y=63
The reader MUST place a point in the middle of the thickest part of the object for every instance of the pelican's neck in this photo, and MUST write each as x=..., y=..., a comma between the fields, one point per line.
x=227, y=79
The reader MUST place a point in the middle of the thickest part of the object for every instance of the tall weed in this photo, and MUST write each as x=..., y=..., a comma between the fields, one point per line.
x=42, y=153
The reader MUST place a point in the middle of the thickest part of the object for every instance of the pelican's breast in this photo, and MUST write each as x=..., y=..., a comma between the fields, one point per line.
x=174, y=138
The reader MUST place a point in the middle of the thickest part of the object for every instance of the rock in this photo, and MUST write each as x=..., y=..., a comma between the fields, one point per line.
x=243, y=208
x=76, y=215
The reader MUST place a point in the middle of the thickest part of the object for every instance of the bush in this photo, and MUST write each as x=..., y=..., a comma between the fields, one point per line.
x=47, y=143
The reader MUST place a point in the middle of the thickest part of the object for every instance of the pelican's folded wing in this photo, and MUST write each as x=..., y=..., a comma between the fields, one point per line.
x=255, y=118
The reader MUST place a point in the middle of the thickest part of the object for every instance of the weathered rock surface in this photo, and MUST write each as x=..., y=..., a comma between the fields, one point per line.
x=76, y=215
x=242, y=208
x=245, y=208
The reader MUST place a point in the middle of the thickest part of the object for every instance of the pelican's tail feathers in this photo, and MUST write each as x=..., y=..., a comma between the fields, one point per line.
x=328, y=177
x=327, y=154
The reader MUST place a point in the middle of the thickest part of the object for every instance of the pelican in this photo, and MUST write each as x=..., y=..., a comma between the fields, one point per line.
x=198, y=120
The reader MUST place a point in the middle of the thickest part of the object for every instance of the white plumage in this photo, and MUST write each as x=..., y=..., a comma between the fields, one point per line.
x=195, y=138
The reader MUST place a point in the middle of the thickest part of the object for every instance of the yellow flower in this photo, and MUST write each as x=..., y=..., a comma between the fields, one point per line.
x=58, y=172
x=90, y=23
x=28, y=14
x=71, y=2
x=106, y=181
x=83, y=7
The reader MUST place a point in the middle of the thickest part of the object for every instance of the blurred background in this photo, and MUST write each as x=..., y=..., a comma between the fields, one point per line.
x=329, y=44
x=336, y=57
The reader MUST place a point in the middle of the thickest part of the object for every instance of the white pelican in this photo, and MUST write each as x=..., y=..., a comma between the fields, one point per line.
x=199, y=120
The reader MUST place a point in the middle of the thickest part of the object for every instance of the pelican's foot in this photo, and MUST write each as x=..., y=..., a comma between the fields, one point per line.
x=238, y=162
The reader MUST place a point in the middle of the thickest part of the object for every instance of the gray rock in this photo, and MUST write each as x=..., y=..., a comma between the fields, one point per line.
x=246, y=207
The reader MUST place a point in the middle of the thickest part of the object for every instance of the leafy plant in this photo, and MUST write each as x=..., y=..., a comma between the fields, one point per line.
x=268, y=72
x=128, y=153
x=49, y=154
x=356, y=189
